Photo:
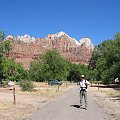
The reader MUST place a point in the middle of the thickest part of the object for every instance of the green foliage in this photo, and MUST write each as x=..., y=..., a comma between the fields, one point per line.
x=9, y=69
x=105, y=60
x=51, y=66
x=26, y=85
x=2, y=35
x=7, y=47
x=12, y=70
x=36, y=72
x=76, y=71
x=55, y=66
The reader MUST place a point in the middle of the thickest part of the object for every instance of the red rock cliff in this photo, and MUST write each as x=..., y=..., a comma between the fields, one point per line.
x=26, y=48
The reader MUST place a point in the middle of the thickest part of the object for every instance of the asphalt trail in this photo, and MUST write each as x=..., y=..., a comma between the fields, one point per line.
x=66, y=107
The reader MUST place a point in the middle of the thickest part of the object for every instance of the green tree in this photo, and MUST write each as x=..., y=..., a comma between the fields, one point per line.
x=12, y=70
x=76, y=71
x=55, y=66
x=51, y=66
x=1, y=54
x=2, y=35
x=106, y=59
x=36, y=71
x=9, y=69
x=7, y=47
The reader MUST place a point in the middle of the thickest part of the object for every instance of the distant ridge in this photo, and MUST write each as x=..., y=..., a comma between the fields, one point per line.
x=27, y=48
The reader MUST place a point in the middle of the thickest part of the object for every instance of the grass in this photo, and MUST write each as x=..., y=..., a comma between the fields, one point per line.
x=96, y=82
x=111, y=92
x=3, y=106
x=118, y=118
x=45, y=89
x=108, y=91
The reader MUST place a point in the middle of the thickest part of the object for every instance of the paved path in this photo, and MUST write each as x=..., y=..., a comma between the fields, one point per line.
x=65, y=107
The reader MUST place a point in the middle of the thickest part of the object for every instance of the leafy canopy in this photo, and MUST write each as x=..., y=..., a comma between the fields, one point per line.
x=106, y=60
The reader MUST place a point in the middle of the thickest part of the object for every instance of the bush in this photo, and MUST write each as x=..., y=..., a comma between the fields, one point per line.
x=26, y=85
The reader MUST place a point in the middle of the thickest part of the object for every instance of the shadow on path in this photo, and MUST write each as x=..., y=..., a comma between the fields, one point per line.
x=76, y=106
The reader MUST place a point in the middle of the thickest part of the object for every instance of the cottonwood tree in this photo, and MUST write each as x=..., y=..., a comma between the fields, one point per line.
x=51, y=66
x=106, y=60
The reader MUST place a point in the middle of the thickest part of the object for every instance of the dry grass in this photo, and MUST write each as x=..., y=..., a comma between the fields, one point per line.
x=109, y=100
x=26, y=102
x=3, y=106
x=118, y=118
x=109, y=91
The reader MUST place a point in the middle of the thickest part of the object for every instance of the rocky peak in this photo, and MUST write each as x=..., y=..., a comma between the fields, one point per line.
x=59, y=34
x=62, y=34
x=87, y=42
x=25, y=38
x=70, y=48
x=28, y=39
x=9, y=37
x=56, y=36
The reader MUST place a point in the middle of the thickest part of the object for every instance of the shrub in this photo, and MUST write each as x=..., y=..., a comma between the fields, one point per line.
x=26, y=85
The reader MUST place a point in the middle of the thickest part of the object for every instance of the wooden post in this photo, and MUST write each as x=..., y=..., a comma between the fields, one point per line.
x=14, y=95
x=91, y=83
x=58, y=87
x=98, y=86
x=66, y=84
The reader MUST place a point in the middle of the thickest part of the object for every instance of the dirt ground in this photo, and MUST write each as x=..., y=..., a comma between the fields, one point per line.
x=108, y=99
x=28, y=102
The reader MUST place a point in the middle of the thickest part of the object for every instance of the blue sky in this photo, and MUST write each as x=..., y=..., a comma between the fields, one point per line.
x=97, y=19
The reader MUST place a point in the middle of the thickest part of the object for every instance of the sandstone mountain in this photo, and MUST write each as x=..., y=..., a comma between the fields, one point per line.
x=26, y=48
